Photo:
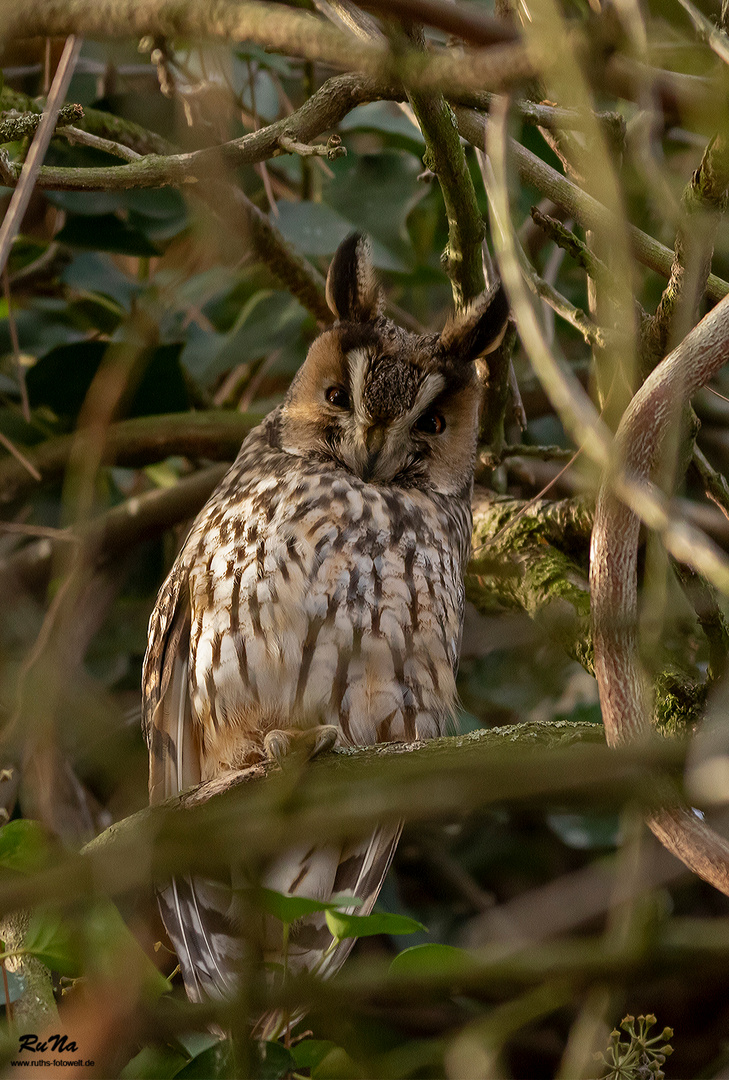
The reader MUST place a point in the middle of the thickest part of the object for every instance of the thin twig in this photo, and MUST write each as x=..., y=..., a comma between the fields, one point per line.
x=20, y=457
x=21, y=195
x=715, y=38
x=715, y=483
x=331, y=149
x=38, y=530
x=12, y=326
x=85, y=138
x=14, y=128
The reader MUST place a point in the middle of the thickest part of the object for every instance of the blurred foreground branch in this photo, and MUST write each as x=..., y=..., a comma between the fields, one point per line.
x=346, y=793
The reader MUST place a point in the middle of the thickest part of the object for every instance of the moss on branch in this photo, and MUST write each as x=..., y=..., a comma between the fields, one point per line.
x=534, y=559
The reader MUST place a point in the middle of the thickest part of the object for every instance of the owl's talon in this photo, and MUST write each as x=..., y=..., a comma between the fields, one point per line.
x=279, y=744
x=325, y=738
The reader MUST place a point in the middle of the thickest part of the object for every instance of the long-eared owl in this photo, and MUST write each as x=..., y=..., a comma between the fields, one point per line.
x=319, y=595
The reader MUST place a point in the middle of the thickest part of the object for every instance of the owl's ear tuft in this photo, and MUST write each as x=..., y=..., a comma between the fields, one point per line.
x=478, y=330
x=353, y=292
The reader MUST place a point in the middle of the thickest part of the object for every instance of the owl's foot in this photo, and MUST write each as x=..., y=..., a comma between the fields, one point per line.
x=279, y=744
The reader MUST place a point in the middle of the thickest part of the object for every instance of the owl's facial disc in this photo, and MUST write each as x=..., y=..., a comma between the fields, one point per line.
x=383, y=411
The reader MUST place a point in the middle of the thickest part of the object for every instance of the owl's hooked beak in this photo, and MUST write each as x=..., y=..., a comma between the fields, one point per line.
x=374, y=441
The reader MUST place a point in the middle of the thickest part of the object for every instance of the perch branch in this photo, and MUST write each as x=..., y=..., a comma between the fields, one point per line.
x=529, y=763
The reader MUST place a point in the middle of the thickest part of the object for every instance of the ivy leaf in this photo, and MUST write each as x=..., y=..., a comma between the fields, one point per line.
x=381, y=922
x=154, y=1063
x=290, y=908
x=51, y=939
x=24, y=846
x=431, y=959
x=106, y=232
x=274, y=1061
x=217, y=1063
x=311, y=1052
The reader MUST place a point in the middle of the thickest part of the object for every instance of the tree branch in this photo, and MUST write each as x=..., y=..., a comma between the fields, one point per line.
x=525, y=764
x=614, y=576
x=216, y=435
x=587, y=210
x=703, y=202
x=271, y=26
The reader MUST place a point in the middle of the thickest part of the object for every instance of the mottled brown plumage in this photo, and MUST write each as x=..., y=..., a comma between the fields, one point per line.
x=321, y=585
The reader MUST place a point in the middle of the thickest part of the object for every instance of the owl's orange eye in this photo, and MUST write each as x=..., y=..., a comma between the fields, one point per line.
x=432, y=423
x=338, y=396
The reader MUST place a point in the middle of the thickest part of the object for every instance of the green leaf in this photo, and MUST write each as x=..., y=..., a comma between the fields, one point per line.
x=111, y=949
x=62, y=377
x=217, y=1063
x=290, y=908
x=274, y=1061
x=309, y=1053
x=381, y=922
x=90, y=272
x=24, y=846
x=52, y=940
x=154, y=1063
x=106, y=233
x=86, y=203
x=318, y=229
x=388, y=119
x=337, y=1065
x=272, y=61
x=94, y=311
x=430, y=959
x=586, y=832
x=268, y=321
x=376, y=193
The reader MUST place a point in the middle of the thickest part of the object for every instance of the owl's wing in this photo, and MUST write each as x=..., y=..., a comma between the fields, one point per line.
x=193, y=909
x=174, y=753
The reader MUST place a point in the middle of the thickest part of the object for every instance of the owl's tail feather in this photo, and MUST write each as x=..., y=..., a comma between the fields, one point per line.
x=203, y=918
x=360, y=870
x=197, y=915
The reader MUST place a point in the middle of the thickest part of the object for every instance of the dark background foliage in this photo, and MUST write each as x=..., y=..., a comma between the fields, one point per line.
x=157, y=305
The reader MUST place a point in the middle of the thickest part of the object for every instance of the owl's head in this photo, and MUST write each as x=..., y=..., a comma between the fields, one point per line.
x=390, y=406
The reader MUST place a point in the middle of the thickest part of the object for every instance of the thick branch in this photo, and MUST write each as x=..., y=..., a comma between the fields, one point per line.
x=216, y=435
x=272, y=26
x=614, y=575
x=527, y=764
